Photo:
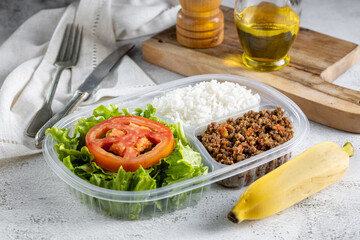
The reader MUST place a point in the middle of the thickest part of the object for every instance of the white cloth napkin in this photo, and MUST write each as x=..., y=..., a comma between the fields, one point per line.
x=27, y=58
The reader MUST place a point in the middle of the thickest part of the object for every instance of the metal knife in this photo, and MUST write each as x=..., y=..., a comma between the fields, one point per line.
x=85, y=89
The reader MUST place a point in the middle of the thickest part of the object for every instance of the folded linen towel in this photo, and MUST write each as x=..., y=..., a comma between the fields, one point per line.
x=28, y=55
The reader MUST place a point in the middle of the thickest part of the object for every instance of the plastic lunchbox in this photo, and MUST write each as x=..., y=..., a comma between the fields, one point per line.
x=151, y=203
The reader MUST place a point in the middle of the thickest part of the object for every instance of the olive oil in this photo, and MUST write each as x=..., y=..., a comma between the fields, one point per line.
x=266, y=33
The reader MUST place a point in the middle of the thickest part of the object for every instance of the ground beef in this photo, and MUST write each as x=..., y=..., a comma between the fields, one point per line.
x=253, y=133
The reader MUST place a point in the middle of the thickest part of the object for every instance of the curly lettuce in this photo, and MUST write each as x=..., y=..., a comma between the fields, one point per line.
x=182, y=164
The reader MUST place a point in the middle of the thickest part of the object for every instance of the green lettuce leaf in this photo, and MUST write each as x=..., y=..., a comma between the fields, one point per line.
x=142, y=180
x=183, y=163
x=61, y=136
x=107, y=112
x=83, y=126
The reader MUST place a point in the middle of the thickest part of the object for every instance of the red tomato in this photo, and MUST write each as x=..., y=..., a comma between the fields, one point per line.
x=129, y=141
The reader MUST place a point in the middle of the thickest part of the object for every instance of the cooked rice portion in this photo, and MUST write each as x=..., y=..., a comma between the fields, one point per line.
x=204, y=102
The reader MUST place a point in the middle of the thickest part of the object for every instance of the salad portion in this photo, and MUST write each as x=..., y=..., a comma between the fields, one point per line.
x=127, y=151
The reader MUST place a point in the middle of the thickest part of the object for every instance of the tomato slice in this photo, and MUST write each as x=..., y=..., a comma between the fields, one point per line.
x=129, y=141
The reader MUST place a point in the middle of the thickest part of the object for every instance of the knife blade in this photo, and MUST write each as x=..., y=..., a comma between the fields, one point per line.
x=85, y=89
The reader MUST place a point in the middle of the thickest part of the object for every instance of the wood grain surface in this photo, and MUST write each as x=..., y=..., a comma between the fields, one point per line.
x=316, y=60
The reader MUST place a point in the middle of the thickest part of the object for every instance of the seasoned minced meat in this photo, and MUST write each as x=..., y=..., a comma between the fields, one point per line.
x=246, y=136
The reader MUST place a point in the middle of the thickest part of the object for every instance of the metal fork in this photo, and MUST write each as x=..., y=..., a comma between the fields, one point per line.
x=67, y=57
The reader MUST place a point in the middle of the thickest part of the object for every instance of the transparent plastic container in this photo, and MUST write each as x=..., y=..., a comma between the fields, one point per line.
x=146, y=204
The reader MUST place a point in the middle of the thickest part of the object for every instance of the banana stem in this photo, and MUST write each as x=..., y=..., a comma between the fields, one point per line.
x=232, y=217
x=348, y=147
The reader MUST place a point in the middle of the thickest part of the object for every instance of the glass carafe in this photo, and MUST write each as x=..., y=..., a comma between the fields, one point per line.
x=267, y=31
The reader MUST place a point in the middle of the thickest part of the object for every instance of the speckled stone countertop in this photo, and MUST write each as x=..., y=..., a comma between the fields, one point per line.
x=35, y=204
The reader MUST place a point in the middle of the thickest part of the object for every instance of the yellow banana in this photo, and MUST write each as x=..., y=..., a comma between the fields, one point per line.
x=309, y=172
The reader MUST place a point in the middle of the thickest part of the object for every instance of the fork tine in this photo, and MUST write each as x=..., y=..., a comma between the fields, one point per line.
x=61, y=54
x=70, y=44
x=77, y=45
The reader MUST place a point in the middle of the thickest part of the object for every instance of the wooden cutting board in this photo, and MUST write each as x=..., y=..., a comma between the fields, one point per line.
x=316, y=60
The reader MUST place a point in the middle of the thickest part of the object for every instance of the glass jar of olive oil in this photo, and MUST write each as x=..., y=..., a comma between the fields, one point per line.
x=267, y=30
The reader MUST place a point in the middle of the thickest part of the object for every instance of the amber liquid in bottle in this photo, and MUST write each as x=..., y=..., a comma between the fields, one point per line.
x=266, y=33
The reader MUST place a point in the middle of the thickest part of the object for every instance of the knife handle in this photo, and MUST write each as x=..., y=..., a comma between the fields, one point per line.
x=78, y=97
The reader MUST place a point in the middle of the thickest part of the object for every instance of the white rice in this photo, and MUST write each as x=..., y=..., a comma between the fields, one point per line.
x=204, y=102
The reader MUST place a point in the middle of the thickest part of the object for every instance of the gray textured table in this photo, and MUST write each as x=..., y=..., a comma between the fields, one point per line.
x=35, y=204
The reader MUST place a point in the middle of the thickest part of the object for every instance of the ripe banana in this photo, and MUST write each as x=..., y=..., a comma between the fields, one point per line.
x=309, y=172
